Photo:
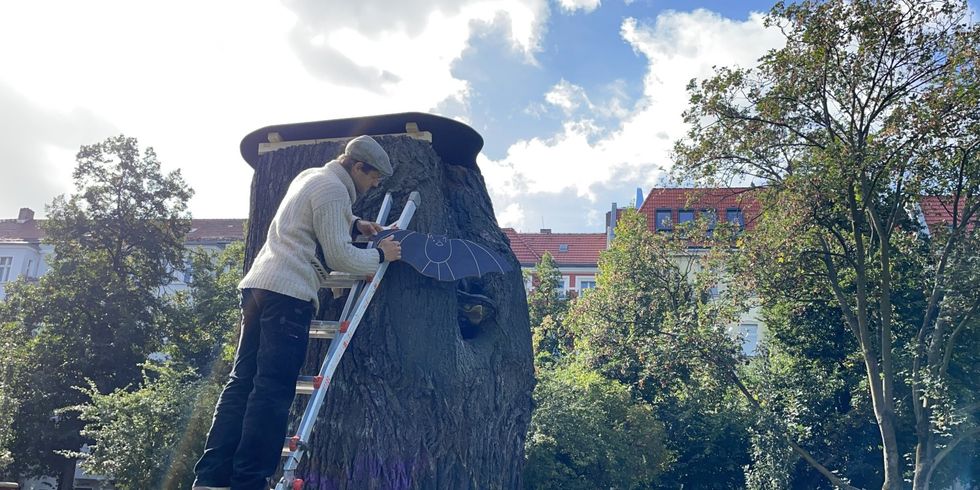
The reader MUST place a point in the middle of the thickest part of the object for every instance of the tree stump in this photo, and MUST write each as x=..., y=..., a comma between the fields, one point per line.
x=424, y=397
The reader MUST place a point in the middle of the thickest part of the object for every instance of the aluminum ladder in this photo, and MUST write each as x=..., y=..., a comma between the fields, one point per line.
x=340, y=332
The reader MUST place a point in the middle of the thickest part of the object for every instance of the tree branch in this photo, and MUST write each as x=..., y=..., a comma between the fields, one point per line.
x=803, y=453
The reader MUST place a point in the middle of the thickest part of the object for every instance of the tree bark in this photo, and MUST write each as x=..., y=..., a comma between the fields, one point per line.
x=419, y=399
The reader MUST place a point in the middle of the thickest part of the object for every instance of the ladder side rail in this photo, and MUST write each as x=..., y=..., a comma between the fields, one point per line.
x=385, y=209
x=355, y=290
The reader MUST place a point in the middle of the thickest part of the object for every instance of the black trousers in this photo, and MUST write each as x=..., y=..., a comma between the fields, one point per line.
x=250, y=421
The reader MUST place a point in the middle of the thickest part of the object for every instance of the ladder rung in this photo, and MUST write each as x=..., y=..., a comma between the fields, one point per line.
x=320, y=329
x=341, y=280
x=306, y=385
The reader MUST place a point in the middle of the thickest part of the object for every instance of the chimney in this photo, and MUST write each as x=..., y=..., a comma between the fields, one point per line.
x=25, y=215
x=611, y=225
x=546, y=231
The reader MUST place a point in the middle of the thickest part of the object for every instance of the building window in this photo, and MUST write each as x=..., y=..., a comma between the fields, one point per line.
x=749, y=334
x=188, y=271
x=734, y=216
x=563, y=247
x=685, y=216
x=586, y=284
x=565, y=286
x=27, y=270
x=6, y=263
x=663, y=220
x=711, y=217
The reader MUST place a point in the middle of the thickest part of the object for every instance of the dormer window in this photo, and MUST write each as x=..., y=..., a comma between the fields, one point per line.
x=663, y=222
x=563, y=247
x=711, y=216
x=734, y=216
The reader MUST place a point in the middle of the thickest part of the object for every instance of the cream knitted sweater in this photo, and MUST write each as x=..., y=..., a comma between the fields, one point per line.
x=316, y=208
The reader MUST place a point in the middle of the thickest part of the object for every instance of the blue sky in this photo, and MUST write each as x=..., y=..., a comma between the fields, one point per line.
x=579, y=101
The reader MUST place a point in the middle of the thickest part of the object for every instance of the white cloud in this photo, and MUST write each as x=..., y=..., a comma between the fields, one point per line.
x=678, y=46
x=512, y=216
x=379, y=44
x=192, y=78
x=585, y=5
x=567, y=96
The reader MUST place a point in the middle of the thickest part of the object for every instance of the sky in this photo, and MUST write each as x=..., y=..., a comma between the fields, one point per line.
x=579, y=101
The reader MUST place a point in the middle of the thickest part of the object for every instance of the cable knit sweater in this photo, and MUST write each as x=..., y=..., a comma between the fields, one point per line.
x=316, y=208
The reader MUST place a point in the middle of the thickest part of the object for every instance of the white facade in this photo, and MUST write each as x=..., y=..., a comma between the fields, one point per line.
x=26, y=259
x=21, y=259
x=749, y=327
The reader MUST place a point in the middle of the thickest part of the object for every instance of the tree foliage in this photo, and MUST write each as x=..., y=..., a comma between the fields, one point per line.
x=547, y=306
x=10, y=365
x=867, y=111
x=588, y=432
x=650, y=329
x=97, y=313
x=136, y=431
x=175, y=400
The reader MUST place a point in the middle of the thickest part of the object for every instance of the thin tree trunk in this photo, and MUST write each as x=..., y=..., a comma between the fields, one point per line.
x=880, y=398
x=66, y=481
x=415, y=402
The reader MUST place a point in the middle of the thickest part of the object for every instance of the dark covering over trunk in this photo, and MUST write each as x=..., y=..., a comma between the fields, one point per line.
x=425, y=397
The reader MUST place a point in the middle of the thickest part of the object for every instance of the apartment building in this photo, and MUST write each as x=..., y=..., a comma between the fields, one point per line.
x=23, y=252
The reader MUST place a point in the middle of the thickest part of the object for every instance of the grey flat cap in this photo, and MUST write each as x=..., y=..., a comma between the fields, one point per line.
x=365, y=149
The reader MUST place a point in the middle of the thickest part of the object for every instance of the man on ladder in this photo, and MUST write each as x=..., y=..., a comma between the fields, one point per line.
x=279, y=300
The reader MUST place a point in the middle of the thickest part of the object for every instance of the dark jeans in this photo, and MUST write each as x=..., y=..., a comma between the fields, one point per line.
x=249, y=428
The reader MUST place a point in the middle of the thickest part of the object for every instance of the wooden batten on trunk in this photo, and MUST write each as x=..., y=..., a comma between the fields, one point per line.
x=423, y=398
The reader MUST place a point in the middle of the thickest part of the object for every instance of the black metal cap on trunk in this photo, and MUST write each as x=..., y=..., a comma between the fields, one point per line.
x=454, y=142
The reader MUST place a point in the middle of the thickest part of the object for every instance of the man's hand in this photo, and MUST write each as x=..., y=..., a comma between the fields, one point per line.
x=368, y=228
x=391, y=248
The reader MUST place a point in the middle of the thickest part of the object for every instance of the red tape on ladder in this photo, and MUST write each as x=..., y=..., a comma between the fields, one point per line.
x=317, y=381
x=343, y=326
x=297, y=484
x=293, y=443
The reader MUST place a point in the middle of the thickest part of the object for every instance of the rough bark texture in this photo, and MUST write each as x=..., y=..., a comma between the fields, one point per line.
x=420, y=400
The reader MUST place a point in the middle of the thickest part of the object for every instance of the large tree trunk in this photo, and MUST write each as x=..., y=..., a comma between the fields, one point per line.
x=420, y=399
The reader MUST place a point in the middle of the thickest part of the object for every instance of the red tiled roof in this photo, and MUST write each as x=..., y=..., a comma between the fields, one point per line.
x=582, y=248
x=11, y=230
x=521, y=249
x=938, y=210
x=720, y=199
x=202, y=230
x=216, y=230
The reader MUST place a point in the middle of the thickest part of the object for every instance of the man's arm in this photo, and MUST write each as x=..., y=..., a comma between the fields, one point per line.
x=332, y=233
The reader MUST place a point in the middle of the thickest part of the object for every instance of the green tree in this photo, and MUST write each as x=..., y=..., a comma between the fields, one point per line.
x=97, y=313
x=588, y=432
x=547, y=306
x=175, y=400
x=868, y=109
x=10, y=364
x=546, y=298
x=135, y=432
x=650, y=325
x=204, y=317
